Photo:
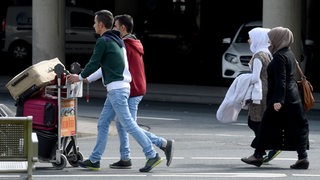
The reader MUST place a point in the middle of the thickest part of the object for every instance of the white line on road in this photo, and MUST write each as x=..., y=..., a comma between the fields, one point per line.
x=306, y=175
x=201, y=158
x=186, y=175
x=237, y=158
x=223, y=175
x=157, y=118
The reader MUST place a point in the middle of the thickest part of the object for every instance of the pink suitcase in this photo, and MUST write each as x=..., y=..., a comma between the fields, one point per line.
x=44, y=112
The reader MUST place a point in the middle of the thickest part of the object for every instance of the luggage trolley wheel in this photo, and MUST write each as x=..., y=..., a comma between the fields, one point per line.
x=62, y=164
x=74, y=162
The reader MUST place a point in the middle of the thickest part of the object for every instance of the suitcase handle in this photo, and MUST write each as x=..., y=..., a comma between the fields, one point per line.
x=20, y=79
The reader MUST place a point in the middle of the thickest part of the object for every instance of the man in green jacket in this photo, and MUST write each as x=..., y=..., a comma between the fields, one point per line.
x=110, y=54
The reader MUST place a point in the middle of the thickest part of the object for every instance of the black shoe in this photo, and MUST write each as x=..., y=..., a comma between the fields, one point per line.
x=301, y=164
x=168, y=151
x=121, y=164
x=151, y=163
x=89, y=165
x=253, y=160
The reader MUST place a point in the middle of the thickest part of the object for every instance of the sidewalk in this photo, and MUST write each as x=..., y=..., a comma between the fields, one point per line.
x=165, y=92
x=155, y=92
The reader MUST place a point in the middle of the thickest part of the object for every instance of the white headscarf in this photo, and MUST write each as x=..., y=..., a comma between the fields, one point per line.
x=259, y=40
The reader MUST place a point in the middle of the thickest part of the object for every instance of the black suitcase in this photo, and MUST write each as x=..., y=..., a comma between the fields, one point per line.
x=47, y=141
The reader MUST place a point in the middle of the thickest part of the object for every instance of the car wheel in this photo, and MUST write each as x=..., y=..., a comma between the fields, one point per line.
x=20, y=52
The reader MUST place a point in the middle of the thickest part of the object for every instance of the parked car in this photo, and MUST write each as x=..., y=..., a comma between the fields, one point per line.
x=80, y=36
x=237, y=56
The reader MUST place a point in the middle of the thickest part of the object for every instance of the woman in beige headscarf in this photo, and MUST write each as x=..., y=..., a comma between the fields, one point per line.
x=284, y=125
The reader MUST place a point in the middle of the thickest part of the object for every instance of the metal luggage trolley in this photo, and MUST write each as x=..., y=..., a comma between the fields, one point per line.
x=66, y=147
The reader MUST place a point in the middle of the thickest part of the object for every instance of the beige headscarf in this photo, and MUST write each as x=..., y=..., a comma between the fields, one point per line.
x=279, y=37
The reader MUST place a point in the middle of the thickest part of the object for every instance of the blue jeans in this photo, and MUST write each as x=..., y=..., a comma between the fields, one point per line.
x=116, y=104
x=123, y=135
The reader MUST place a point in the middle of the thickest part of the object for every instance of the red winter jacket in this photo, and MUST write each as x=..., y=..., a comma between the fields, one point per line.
x=135, y=54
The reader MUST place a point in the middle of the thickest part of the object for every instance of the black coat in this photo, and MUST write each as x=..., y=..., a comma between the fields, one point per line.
x=287, y=129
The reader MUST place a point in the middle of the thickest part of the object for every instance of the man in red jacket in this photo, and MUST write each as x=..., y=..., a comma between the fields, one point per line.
x=135, y=52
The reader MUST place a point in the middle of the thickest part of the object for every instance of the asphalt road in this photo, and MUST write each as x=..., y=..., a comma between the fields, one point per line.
x=204, y=148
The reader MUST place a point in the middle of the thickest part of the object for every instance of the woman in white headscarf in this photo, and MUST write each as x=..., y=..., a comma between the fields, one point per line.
x=283, y=125
x=259, y=43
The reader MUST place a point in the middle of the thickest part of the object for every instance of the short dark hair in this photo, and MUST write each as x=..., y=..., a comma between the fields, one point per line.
x=106, y=17
x=125, y=20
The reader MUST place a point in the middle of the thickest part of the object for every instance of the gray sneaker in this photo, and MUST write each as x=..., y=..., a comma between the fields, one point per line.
x=168, y=151
x=151, y=163
x=90, y=165
x=121, y=164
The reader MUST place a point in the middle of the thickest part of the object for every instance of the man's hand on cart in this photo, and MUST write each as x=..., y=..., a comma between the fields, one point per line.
x=72, y=78
x=85, y=80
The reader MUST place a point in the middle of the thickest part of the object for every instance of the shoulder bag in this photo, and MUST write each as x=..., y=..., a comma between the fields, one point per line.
x=306, y=90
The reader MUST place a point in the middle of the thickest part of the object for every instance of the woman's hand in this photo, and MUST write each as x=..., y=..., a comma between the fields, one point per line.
x=277, y=106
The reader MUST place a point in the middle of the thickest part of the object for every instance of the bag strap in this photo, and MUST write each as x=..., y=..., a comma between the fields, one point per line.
x=299, y=69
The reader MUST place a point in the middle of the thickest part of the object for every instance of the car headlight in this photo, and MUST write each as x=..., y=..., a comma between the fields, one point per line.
x=230, y=58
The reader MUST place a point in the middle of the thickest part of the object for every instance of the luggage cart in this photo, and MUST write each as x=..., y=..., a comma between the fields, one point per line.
x=5, y=111
x=66, y=149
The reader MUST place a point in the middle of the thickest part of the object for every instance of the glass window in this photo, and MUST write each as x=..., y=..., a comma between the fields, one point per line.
x=243, y=34
x=81, y=20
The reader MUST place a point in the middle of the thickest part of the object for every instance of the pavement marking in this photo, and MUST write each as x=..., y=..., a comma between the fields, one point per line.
x=306, y=175
x=230, y=135
x=116, y=158
x=186, y=175
x=157, y=118
x=91, y=175
x=240, y=124
x=10, y=176
x=216, y=158
x=237, y=158
x=201, y=158
x=236, y=175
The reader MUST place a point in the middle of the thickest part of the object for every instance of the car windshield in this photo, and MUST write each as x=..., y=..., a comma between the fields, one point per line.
x=243, y=34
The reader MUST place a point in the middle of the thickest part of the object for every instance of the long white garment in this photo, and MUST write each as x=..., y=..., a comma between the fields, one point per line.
x=239, y=92
x=256, y=81
x=259, y=42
